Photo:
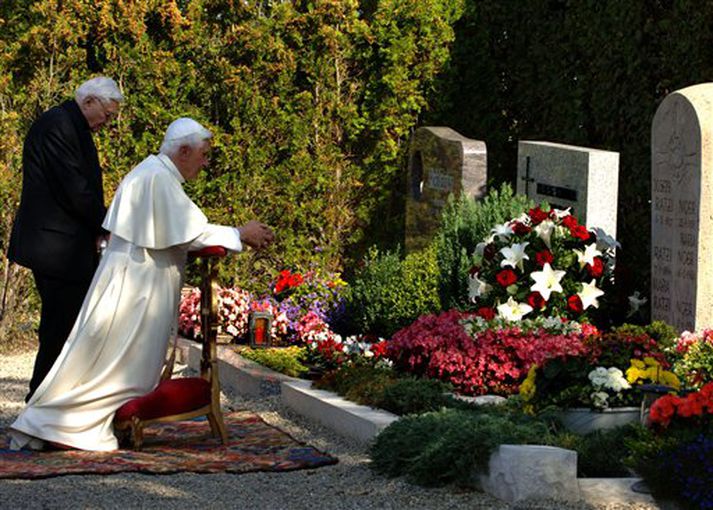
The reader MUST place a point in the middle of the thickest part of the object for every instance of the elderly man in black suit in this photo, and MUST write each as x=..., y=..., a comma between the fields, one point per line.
x=57, y=228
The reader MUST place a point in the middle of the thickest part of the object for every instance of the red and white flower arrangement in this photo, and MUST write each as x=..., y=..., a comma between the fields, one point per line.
x=543, y=263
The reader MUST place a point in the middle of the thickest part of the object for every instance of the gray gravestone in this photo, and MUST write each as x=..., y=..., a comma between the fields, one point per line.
x=441, y=162
x=585, y=179
x=682, y=209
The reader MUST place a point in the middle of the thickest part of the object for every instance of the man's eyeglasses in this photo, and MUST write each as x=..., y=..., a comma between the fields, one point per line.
x=110, y=115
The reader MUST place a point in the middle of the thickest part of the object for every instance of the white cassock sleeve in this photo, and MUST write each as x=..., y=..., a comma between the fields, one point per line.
x=218, y=235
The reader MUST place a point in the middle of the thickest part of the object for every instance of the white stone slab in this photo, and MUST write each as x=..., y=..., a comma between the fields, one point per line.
x=682, y=209
x=582, y=178
x=522, y=472
x=348, y=419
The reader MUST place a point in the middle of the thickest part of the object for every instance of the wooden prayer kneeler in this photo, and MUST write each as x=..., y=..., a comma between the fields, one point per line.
x=189, y=397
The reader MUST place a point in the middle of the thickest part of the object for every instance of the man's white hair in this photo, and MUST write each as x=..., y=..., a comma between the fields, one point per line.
x=182, y=132
x=101, y=87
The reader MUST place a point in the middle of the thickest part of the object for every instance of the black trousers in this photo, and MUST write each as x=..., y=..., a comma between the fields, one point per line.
x=61, y=302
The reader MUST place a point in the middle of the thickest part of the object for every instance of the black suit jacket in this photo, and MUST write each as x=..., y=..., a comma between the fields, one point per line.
x=62, y=202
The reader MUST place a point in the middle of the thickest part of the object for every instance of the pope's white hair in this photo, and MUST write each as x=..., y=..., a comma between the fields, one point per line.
x=101, y=87
x=183, y=132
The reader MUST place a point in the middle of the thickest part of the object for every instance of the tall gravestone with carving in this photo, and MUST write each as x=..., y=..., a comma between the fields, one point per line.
x=441, y=162
x=566, y=176
x=682, y=209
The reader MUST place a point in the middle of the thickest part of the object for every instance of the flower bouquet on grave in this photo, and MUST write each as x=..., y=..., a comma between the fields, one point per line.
x=543, y=263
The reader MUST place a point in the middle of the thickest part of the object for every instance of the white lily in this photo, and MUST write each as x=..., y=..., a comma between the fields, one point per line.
x=589, y=294
x=544, y=231
x=503, y=230
x=605, y=241
x=477, y=287
x=513, y=311
x=635, y=303
x=480, y=247
x=587, y=256
x=561, y=213
x=547, y=281
x=514, y=255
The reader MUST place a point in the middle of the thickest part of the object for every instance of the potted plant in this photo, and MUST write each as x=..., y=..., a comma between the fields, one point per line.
x=598, y=389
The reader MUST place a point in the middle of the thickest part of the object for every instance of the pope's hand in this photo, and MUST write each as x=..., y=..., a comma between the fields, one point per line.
x=256, y=235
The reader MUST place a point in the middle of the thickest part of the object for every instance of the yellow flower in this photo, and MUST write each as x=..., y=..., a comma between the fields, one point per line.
x=638, y=363
x=527, y=388
x=634, y=373
x=651, y=361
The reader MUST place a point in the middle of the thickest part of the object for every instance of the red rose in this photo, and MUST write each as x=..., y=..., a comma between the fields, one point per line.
x=537, y=215
x=536, y=301
x=580, y=232
x=575, y=304
x=544, y=257
x=486, y=313
x=570, y=221
x=506, y=277
x=595, y=270
x=520, y=228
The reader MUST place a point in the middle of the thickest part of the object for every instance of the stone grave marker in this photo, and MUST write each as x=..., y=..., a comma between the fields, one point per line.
x=682, y=209
x=441, y=162
x=585, y=179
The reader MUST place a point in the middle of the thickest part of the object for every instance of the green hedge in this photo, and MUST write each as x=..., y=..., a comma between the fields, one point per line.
x=311, y=103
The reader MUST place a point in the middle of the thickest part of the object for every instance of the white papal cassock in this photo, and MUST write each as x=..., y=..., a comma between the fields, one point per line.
x=118, y=344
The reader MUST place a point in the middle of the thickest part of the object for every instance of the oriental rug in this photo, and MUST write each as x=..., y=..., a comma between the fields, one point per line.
x=185, y=446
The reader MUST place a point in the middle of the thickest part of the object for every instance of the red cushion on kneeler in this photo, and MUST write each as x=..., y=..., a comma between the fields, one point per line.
x=174, y=396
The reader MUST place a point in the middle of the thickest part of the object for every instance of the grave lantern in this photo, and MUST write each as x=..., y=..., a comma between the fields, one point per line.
x=259, y=327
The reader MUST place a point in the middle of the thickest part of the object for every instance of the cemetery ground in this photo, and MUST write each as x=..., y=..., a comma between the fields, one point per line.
x=350, y=484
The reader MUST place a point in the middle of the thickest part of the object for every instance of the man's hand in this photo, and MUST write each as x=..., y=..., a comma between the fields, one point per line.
x=256, y=235
x=101, y=242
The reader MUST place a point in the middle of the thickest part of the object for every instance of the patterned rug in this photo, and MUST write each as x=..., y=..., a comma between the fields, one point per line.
x=185, y=446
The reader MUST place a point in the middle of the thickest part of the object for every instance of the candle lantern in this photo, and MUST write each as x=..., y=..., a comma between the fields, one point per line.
x=259, y=327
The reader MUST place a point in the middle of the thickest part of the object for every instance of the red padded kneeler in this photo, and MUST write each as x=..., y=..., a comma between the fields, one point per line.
x=171, y=397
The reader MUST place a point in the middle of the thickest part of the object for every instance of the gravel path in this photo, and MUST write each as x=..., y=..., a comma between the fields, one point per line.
x=350, y=484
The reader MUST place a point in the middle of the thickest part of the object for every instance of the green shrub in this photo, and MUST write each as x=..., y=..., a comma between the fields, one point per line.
x=447, y=446
x=600, y=454
x=389, y=293
x=286, y=360
x=466, y=223
x=414, y=396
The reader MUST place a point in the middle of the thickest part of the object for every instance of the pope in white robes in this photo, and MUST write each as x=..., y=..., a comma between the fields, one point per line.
x=117, y=347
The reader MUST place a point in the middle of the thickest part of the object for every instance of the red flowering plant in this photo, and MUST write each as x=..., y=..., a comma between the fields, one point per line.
x=477, y=356
x=543, y=263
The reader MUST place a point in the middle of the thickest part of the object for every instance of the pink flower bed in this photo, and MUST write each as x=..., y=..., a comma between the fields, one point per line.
x=489, y=361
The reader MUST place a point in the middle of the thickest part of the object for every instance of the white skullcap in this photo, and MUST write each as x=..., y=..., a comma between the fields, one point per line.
x=184, y=128
x=183, y=131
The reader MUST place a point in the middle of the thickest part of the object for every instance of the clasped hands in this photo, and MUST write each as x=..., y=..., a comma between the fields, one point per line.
x=256, y=235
